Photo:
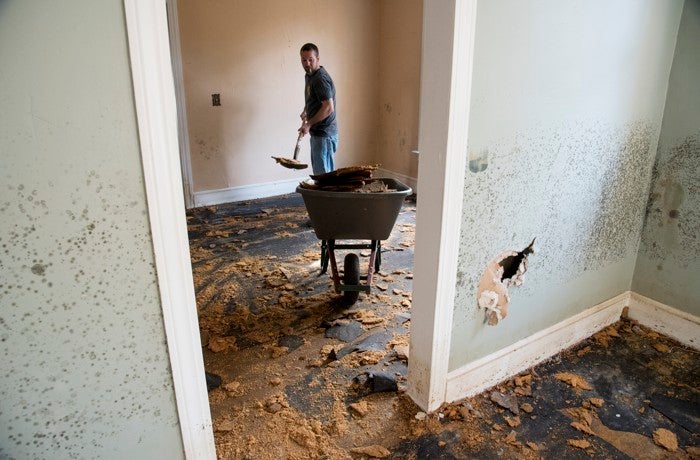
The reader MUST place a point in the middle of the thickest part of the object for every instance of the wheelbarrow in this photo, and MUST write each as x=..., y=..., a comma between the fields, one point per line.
x=353, y=216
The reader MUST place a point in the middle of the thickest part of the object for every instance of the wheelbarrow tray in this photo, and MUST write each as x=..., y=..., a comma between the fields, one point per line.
x=354, y=215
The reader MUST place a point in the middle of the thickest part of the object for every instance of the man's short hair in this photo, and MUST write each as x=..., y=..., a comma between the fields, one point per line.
x=309, y=47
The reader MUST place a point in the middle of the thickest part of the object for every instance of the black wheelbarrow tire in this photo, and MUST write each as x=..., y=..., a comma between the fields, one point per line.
x=351, y=276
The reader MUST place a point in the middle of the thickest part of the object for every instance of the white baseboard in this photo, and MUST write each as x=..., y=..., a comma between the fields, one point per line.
x=490, y=370
x=666, y=320
x=246, y=192
x=410, y=181
x=268, y=189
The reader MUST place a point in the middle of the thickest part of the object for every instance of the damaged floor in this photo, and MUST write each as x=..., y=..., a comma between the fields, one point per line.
x=297, y=374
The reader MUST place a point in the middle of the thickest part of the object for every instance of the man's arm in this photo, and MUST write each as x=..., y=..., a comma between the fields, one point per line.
x=326, y=109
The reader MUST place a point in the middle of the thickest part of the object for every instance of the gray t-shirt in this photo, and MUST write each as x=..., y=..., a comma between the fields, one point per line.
x=319, y=87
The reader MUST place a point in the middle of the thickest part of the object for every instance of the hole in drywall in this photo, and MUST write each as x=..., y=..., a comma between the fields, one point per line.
x=506, y=269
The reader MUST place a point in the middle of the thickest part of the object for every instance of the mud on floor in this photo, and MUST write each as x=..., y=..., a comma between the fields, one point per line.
x=304, y=376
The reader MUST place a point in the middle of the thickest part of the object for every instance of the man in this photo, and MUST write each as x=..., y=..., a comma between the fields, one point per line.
x=318, y=116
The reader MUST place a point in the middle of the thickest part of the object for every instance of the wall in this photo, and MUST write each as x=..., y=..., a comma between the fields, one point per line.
x=567, y=103
x=400, y=33
x=668, y=266
x=248, y=51
x=85, y=369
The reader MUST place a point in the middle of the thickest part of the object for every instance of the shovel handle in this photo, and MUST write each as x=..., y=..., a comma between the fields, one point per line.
x=298, y=146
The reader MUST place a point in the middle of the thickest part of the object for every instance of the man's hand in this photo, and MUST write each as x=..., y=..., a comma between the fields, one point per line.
x=304, y=129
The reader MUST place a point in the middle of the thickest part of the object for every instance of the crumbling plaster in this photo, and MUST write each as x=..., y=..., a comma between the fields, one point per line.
x=569, y=117
x=85, y=368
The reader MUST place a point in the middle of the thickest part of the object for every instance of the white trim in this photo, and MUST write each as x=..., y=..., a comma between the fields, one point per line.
x=246, y=192
x=408, y=180
x=155, y=108
x=490, y=370
x=666, y=320
x=178, y=80
x=446, y=73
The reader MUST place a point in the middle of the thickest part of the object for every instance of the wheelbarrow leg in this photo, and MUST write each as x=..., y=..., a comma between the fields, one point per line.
x=324, y=256
x=373, y=261
x=334, y=265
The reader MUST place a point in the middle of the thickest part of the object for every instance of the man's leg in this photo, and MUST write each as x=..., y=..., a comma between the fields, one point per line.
x=322, y=151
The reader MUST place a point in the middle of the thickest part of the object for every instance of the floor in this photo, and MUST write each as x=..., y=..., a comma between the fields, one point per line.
x=296, y=372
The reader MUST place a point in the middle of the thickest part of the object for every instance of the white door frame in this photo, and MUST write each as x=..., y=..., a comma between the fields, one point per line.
x=178, y=78
x=446, y=75
x=448, y=48
x=154, y=96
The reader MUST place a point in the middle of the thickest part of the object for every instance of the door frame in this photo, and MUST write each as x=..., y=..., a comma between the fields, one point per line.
x=156, y=111
x=448, y=50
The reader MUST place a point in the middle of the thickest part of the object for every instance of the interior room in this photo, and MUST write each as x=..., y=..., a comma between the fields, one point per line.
x=561, y=135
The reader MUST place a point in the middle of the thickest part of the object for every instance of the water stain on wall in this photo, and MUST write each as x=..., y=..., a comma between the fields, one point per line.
x=672, y=215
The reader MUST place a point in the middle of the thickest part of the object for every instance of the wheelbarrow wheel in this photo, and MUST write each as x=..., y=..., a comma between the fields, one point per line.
x=351, y=277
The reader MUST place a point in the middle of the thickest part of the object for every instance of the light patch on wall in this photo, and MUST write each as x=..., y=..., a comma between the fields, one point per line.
x=506, y=269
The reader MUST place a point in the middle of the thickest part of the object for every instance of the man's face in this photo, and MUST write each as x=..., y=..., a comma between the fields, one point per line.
x=309, y=61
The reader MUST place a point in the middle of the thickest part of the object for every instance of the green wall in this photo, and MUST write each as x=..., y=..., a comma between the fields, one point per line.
x=567, y=105
x=85, y=370
x=668, y=267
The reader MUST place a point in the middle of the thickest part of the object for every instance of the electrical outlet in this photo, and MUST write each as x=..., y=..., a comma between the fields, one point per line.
x=216, y=99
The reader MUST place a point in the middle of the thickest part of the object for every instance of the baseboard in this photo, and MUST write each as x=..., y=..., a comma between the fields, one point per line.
x=490, y=370
x=410, y=181
x=666, y=320
x=268, y=189
x=246, y=192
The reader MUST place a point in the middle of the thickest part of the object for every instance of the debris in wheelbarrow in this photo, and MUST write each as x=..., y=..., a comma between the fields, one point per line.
x=350, y=215
x=342, y=180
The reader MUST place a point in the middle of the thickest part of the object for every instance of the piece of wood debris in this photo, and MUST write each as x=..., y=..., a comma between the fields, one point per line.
x=597, y=402
x=276, y=352
x=360, y=408
x=661, y=347
x=580, y=443
x=225, y=425
x=527, y=408
x=219, y=344
x=374, y=451
x=532, y=445
x=573, y=380
x=401, y=351
x=666, y=439
x=582, y=427
x=510, y=439
x=512, y=421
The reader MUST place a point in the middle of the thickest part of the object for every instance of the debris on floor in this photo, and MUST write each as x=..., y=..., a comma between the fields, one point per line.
x=303, y=376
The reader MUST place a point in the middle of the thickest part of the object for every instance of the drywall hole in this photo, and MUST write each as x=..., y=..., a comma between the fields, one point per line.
x=506, y=269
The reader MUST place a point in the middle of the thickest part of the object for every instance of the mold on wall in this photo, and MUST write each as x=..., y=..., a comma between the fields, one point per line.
x=668, y=266
x=568, y=154
x=85, y=369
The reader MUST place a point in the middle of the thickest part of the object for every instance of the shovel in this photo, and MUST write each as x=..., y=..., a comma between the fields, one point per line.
x=293, y=163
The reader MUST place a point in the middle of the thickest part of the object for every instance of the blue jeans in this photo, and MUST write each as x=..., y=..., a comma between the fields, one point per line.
x=322, y=151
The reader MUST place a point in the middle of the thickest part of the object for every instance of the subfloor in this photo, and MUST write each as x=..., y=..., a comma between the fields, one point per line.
x=296, y=373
